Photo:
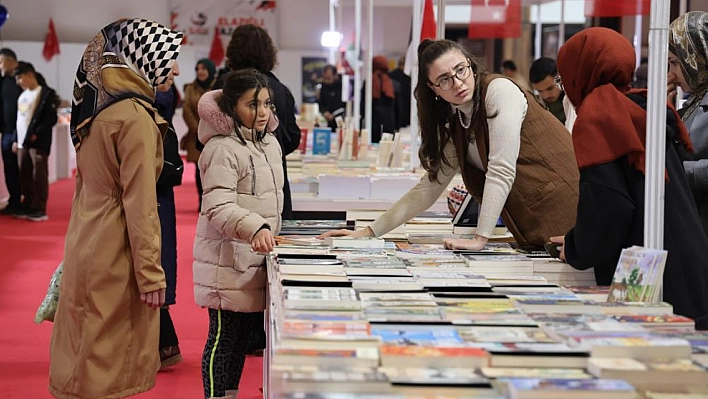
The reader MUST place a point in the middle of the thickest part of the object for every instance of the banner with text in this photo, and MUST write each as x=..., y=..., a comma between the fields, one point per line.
x=197, y=19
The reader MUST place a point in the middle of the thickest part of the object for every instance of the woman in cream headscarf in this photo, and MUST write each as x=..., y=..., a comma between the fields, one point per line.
x=106, y=329
x=688, y=69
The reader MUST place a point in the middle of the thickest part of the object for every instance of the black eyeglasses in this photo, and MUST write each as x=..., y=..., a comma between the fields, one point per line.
x=462, y=72
x=559, y=82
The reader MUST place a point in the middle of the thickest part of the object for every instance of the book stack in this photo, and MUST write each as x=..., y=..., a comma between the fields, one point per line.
x=537, y=388
x=311, y=227
x=429, y=225
x=561, y=273
x=429, y=322
x=499, y=265
x=347, y=242
x=646, y=373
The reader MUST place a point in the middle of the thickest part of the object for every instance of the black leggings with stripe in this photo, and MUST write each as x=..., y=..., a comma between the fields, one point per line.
x=225, y=350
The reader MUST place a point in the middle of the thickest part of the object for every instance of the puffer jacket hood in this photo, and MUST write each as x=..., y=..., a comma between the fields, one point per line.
x=212, y=122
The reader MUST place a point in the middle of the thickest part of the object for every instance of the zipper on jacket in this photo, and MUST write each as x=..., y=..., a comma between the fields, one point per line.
x=275, y=185
x=253, y=175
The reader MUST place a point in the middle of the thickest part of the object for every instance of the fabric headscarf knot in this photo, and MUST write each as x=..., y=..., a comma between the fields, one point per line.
x=381, y=84
x=596, y=66
x=688, y=40
x=128, y=58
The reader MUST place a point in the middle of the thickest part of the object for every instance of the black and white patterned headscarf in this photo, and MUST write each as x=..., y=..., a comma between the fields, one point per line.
x=688, y=40
x=128, y=58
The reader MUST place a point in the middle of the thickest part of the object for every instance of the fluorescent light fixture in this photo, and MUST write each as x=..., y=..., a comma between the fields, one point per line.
x=331, y=39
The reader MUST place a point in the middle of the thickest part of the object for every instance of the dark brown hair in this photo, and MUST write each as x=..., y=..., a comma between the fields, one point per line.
x=236, y=84
x=251, y=47
x=434, y=115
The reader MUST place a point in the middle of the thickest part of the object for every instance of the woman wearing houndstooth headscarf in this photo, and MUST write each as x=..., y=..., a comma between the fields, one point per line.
x=106, y=329
x=688, y=68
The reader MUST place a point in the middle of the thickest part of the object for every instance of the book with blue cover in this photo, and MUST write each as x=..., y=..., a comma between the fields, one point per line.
x=543, y=388
x=417, y=335
x=321, y=140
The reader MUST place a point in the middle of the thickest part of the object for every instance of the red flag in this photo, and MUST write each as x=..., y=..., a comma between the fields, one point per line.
x=51, y=42
x=429, y=28
x=495, y=18
x=616, y=8
x=216, y=53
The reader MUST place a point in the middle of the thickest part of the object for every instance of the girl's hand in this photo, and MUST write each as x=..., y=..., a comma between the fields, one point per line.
x=366, y=232
x=561, y=248
x=263, y=241
x=475, y=244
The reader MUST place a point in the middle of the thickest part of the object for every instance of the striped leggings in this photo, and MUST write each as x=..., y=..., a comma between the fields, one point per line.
x=225, y=350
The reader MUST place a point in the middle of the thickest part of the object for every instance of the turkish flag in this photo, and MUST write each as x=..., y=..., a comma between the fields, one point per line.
x=495, y=18
x=429, y=28
x=51, y=42
x=616, y=8
x=216, y=53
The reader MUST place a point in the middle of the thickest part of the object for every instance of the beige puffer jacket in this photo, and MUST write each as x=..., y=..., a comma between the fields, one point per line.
x=243, y=190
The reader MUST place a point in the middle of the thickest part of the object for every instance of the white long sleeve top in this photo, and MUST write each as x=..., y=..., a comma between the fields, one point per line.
x=504, y=99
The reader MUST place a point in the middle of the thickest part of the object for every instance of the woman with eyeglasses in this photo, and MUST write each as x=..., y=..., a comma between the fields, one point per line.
x=516, y=158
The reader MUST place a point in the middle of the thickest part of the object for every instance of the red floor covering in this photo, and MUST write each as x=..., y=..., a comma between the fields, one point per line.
x=29, y=253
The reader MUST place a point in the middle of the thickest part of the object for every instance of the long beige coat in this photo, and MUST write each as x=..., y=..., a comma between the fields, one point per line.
x=105, y=341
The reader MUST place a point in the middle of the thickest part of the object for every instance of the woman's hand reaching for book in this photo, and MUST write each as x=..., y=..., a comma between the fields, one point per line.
x=475, y=244
x=365, y=232
x=561, y=247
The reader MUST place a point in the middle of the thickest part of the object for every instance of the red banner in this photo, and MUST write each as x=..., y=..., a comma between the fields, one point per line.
x=495, y=18
x=616, y=8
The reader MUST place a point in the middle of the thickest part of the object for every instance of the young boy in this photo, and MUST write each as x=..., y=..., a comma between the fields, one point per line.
x=36, y=116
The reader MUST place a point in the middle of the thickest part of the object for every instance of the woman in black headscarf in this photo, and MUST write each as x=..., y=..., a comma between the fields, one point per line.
x=106, y=328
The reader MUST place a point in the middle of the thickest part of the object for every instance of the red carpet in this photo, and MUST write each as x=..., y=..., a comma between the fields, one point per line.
x=31, y=252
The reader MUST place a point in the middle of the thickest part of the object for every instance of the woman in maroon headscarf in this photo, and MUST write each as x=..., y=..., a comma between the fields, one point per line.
x=596, y=67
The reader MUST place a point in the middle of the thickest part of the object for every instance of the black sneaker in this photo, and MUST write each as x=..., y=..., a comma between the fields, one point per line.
x=36, y=216
x=11, y=211
x=22, y=213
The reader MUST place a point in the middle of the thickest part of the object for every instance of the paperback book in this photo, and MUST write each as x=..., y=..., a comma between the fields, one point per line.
x=638, y=276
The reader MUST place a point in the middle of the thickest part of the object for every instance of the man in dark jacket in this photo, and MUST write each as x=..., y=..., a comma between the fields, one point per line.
x=329, y=97
x=9, y=92
x=36, y=116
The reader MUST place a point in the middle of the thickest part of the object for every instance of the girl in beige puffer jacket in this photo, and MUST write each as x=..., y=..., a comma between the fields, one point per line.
x=242, y=175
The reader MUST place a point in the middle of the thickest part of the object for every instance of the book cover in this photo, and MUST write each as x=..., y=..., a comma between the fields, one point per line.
x=298, y=239
x=522, y=388
x=321, y=140
x=417, y=335
x=535, y=372
x=354, y=242
x=638, y=275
